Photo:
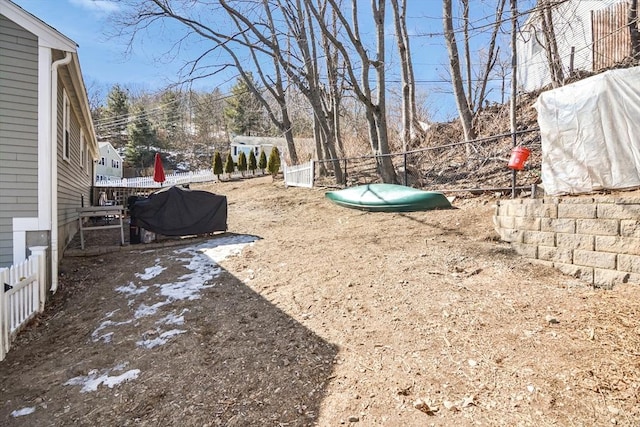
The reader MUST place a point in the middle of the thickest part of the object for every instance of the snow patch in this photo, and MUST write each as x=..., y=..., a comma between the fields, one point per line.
x=131, y=289
x=201, y=261
x=173, y=319
x=106, y=338
x=149, y=310
x=95, y=335
x=202, y=267
x=160, y=340
x=24, y=411
x=151, y=272
x=91, y=381
x=220, y=249
x=188, y=290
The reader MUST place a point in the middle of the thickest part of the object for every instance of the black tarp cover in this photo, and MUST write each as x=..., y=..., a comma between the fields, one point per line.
x=176, y=211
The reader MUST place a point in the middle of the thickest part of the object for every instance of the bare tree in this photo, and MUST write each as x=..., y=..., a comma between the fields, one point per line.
x=550, y=44
x=310, y=44
x=273, y=82
x=143, y=14
x=467, y=50
x=410, y=126
x=469, y=102
x=301, y=23
x=299, y=66
x=503, y=69
x=464, y=109
x=372, y=99
x=492, y=56
x=335, y=86
x=299, y=62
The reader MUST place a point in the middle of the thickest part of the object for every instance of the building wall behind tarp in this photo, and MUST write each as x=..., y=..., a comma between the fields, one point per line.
x=589, y=132
x=590, y=34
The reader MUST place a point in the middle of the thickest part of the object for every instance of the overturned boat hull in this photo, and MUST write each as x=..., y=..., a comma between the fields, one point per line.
x=388, y=198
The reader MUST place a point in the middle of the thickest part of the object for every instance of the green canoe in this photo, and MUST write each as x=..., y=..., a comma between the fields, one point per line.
x=388, y=198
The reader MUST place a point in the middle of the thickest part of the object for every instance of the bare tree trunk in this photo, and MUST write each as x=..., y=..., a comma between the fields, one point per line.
x=334, y=94
x=375, y=109
x=633, y=29
x=467, y=51
x=288, y=134
x=410, y=126
x=319, y=147
x=514, y=83
x=551, y=48
x=404, y=72
x=492, y=53
x=306, y=43
x=466, y=117
x=411, y=80
x=385, y=163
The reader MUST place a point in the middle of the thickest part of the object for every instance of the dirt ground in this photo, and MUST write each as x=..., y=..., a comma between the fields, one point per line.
x=330, y=317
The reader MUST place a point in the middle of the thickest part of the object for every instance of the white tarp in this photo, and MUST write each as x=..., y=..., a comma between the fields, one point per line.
x=590, y=133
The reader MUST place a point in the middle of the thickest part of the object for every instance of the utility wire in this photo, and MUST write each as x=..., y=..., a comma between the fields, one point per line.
x=498, y=22
x=107, y=125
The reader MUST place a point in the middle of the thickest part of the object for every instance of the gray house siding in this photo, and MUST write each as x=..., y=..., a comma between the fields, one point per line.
x=74, y=181
x=18, y=131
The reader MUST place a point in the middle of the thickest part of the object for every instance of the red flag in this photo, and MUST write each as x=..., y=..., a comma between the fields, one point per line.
x=158, y=170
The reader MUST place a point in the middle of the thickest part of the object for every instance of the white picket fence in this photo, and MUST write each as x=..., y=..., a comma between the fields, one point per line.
x=22, y=296
x=299, y=175
x=204, y=175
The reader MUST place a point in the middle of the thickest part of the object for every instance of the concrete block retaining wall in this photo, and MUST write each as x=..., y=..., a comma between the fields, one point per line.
x=594, y=238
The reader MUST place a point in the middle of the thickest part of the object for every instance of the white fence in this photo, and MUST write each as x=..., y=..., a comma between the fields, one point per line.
x=299, y=175
x=205, y=175
x=23, y=295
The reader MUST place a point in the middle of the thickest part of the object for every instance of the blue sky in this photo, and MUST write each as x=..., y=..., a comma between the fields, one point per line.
x=102, y=59
x=104, y=62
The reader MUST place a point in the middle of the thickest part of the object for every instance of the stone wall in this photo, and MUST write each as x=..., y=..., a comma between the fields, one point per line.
x=594, y=238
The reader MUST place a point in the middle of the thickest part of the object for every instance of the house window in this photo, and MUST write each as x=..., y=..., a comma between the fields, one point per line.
x=86, y=159
x=101, y=162
x=83, y=150
x=235, y=151
x=66, y=128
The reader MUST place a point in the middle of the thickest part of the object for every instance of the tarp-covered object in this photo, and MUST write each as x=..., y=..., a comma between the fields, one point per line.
x=590, y=133
x=176, y=211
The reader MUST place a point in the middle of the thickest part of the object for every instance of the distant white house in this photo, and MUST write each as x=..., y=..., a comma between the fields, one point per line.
x=109, y=163
x=590, y=34
x=246, y=144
